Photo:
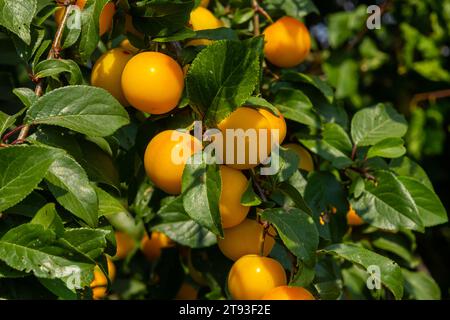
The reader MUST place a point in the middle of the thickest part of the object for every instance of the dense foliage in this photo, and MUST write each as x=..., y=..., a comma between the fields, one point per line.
x=369, y=105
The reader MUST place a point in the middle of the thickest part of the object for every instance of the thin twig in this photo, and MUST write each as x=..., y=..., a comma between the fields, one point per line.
x=354, y=151
x=430, y=96
x=256, y=27
x=53, y=53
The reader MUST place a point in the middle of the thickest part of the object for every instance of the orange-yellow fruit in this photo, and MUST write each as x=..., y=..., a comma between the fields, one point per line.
x=107, y=72
x=187, y=292
x=353, y=219
x=125, y=244
x=99, y=285
x=305, y=160
x=234, y=184
x=126, y=44
x=106, y=16
x=244, y=239
x=153, y=82
x=151, y=247
x=276, y=122
x=252, y=276
x=287, y=42
x=253, y=135
x=288, y=293
x=203, y=19
x=164, y=158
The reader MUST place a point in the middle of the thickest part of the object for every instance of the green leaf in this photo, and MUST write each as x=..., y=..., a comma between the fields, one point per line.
x=90, y=17
x=88, y=242
x=32, y=248
x=249, y=197
x=53, y=67
x=49, y=219
x=296, y=106
x=344, y=24
x=223, y=76
x=8, y=272
x=387, y=204
x=85, y=109
x=323, y=192
x=293, y=8
x=21, y=169
x=16, y=16
x=119, y=217
x=163, y=18
x=58, y=288
x=420, y=286
x=393, y=243
x=390, y=272
x=372, y=125
x=26, y=95
x=431, y=210
x=70, y=186
x=297, y=230
x=293, y=193
x=176, y=224
x=211, y=34
x=404, y=166
x=6, y=121
x=201, y=188
x=334, y=145
x=287, y=161
x=387, y=148
x=343, y=74
x=313, y=80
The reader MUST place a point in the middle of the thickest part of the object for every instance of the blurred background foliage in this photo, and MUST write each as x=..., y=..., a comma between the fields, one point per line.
x=405, y=63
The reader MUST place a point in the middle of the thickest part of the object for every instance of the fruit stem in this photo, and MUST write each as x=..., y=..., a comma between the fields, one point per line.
x=262, y=238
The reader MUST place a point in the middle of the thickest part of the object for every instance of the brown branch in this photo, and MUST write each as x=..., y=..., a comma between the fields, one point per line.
x=256, y=27
x=53, y=53
x=354, y=151
x=262, y=238
x=429, y=96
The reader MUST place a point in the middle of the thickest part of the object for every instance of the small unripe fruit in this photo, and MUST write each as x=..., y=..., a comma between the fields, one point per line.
x=107, y=72
x=234, y=184
x=287, y=42
x=252, y=276
x=153, y=82
x=244, y=239
x=305, y=160
x=288, y=293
